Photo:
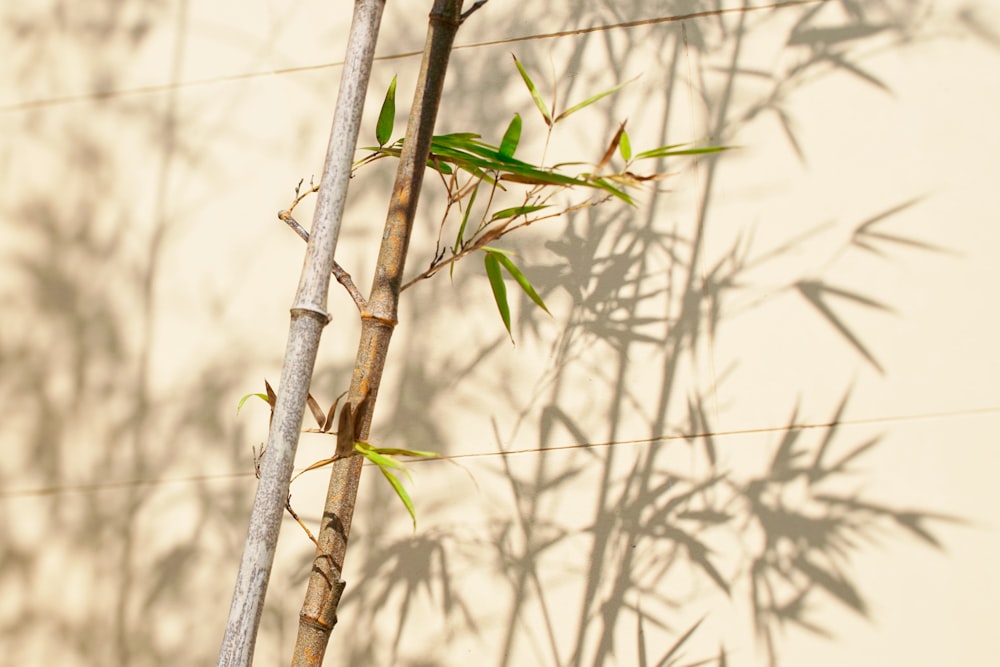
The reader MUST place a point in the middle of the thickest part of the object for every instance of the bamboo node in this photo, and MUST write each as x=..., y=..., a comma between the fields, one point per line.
x=317, y=313
x=389, y=322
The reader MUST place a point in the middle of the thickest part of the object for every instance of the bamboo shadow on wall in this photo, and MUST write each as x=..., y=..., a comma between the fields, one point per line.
x=675, y=514
x=642, y=290
x=75, y=371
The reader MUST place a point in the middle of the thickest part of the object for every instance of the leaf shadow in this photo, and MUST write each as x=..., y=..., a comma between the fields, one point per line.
x=645, y=294
x=90, y=500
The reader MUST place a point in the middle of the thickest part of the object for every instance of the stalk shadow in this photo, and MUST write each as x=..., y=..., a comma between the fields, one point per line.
x=110, y=516
x=647, y=293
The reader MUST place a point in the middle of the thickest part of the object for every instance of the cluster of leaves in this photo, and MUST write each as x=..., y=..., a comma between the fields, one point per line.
x=466, y=164
x=383, y=457
x=808, y=529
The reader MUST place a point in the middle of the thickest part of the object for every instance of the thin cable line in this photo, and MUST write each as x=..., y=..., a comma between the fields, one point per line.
x=722, y=434
x=124, y=484
x=104, y=486
x=227, y=78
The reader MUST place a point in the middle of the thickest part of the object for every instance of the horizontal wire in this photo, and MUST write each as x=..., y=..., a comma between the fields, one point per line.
x=123, y=484
x=104, y=486
x=145, y=90
x=227, y=78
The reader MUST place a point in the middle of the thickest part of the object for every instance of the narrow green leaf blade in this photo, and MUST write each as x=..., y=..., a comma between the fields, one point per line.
x=386, y=116
x=625, y=147
x=378, y=458
x=511, y=137
x=590, y=100
x=522, y=280
x=415, y=453
x=499, y=289
x=499, y=251
x=532, y=176
x=468, y=147
x=439, y=166
x=460, y=237
x=456, y=137
x=401, y=492
x=667, y=151
x=515, y=211
x=243, y=400
x=535, y=95
x=605, y=185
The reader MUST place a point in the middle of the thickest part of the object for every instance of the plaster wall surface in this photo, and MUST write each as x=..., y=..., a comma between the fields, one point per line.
x=765, y=404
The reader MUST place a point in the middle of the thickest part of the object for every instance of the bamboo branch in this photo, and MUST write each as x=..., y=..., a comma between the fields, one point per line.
x=492, y=234
x=319, y=609
x=308, y=317
x=342, y=276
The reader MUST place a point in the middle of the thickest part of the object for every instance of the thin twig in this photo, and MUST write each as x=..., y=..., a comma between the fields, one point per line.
x=313, y=188
x=318, y=614
x=449, y=186
x=493, y=234
x=288, y=506
x=342, y=276
x=471, y=9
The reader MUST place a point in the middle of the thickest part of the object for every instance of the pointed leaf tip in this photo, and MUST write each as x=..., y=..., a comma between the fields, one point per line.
x=511, y=137
x=522, y=280
x=535, y=95
x=624, y=146
x=386, y=464
x=386, y=116
x=247, y=397
x=590, y=100
x=499, y=288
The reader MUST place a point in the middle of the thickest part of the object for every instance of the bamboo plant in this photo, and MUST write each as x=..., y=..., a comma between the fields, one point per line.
x=476, y=175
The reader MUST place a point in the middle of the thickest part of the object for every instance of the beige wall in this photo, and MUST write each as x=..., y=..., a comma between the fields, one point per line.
x=145, y=282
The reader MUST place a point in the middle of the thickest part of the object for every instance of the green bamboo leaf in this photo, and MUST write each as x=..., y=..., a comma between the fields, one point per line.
x=387, y=115
x=471, y=146
x=515, y=211
x=247, y=397
x=379, y=458
x=535, y=95
x=498, y=251
x=383, y=458
x=460, y=237
x=401, y=492
x=415, y=453
x=522, y=280
x=499, y=289
x=526, y=173
x=475, y=156
x=383, y=461
x=666, y=151
x=456, y=137
x=605, y=185
x=542, y=177
x=439, y=166
x=511, y=137
x=590, y=100
x=466, y=152
x=655, y=151
x=625, y=147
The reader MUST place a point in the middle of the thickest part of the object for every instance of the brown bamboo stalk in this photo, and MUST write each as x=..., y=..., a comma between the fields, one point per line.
x=308, y=317
x=319, y=609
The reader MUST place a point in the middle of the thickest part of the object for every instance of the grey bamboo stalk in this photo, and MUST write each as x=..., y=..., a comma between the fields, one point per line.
x=319, y=609
x=308, y=317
